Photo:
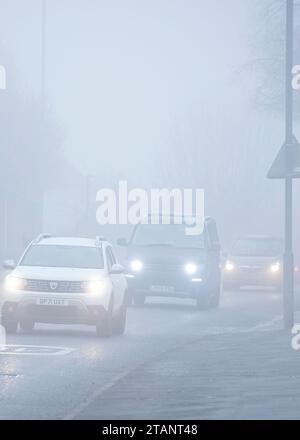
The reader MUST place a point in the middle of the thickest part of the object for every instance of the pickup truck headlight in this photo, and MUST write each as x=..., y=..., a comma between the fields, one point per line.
x=136, y=265
x=275, y=268
x=229, y=266
x=191, y=268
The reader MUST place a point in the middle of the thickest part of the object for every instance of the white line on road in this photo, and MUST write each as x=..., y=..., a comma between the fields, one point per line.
x=34, y=350
x=97, y=393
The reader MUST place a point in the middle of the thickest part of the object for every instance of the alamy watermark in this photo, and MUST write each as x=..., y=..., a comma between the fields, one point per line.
x=155, y=206
x=296, y=77
x=296, y=338
x=2, y=78
x=2, y=336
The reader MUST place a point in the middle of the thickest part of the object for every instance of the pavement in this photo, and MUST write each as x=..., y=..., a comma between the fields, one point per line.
x=174, y=362
x=248, y=375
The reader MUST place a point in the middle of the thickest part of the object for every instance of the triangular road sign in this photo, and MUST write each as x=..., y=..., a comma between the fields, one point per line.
x=287, y=162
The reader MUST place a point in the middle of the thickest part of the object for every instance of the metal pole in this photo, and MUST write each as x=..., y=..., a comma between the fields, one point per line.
x=43, y=95
x=87, y=206
x=43, y=54
x=288, y=259
x=89, y=182
x=5, y=241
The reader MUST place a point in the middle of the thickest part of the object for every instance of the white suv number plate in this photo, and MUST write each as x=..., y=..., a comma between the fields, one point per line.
x=52, y=302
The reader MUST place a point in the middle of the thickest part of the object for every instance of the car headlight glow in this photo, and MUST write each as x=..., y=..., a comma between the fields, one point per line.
x=275, y=267
x=229, y=266
x=95, y=287
x=136, y=265
x=14, y=283
x=191, y=268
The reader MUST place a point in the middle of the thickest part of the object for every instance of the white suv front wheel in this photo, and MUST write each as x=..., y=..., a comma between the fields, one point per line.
x=104, y=326
x=119, y=323
x=11, y=326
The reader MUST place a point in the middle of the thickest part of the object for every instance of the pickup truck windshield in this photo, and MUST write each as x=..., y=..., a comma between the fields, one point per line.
x=166, y=235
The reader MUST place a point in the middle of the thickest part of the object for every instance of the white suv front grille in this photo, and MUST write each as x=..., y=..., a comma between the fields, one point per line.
x=54, y=286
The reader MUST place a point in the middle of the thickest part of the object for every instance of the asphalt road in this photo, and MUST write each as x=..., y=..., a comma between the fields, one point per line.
x=62, y=372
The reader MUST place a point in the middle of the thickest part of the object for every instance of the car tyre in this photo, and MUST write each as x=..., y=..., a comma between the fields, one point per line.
x=228, y=287
x=139, y=299
x=104, y=326
x=120, y=321
x=11, y=326
x=129, y=298
x=215, y=300
x=27, y=324
x=203, y=302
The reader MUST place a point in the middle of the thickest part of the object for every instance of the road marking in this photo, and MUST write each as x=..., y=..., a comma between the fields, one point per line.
x=34, y=350
x=267, y=324
x=97, y=393
x=10, y=375
x=272, y=324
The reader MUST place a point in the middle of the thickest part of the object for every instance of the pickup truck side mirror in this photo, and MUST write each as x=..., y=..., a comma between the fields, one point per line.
x=117, y=269
x=215, y=247
x=122, y=242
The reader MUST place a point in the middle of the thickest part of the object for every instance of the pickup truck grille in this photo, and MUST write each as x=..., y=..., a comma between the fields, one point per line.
x=163, y=267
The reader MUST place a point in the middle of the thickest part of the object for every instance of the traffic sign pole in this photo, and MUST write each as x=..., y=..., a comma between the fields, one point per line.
x=287, y=166
x=288, y=259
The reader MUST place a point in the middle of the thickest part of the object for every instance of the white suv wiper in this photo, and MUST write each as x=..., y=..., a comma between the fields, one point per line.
x=159, y=244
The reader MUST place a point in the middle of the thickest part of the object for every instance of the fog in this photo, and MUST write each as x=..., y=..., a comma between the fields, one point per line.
x=161, y=94
x=103, y=104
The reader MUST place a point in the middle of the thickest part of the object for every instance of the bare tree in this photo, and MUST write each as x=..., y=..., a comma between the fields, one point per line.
x=268, y=51
x=30, y=150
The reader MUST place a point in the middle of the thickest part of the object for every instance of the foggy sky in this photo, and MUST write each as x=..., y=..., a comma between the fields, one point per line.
x=133, y=66
x=153, y=92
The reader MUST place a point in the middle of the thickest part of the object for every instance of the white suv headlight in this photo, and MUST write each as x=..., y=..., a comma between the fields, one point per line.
x=14, y=283
x=95, y=287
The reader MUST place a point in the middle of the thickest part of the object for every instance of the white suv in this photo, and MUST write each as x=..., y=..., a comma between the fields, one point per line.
x=65, y=281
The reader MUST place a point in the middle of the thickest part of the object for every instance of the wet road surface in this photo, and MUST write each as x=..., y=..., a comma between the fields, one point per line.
x=66, y=372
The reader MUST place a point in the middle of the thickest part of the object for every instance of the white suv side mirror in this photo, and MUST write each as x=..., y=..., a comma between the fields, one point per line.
x=9, y=264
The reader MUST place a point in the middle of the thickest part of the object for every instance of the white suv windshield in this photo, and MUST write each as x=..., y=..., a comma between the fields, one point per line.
x=83, y=257
x=166, y=235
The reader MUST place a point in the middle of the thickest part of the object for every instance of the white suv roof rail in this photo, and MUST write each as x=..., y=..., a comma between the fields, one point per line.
x=99, y=240
x=41, y=237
